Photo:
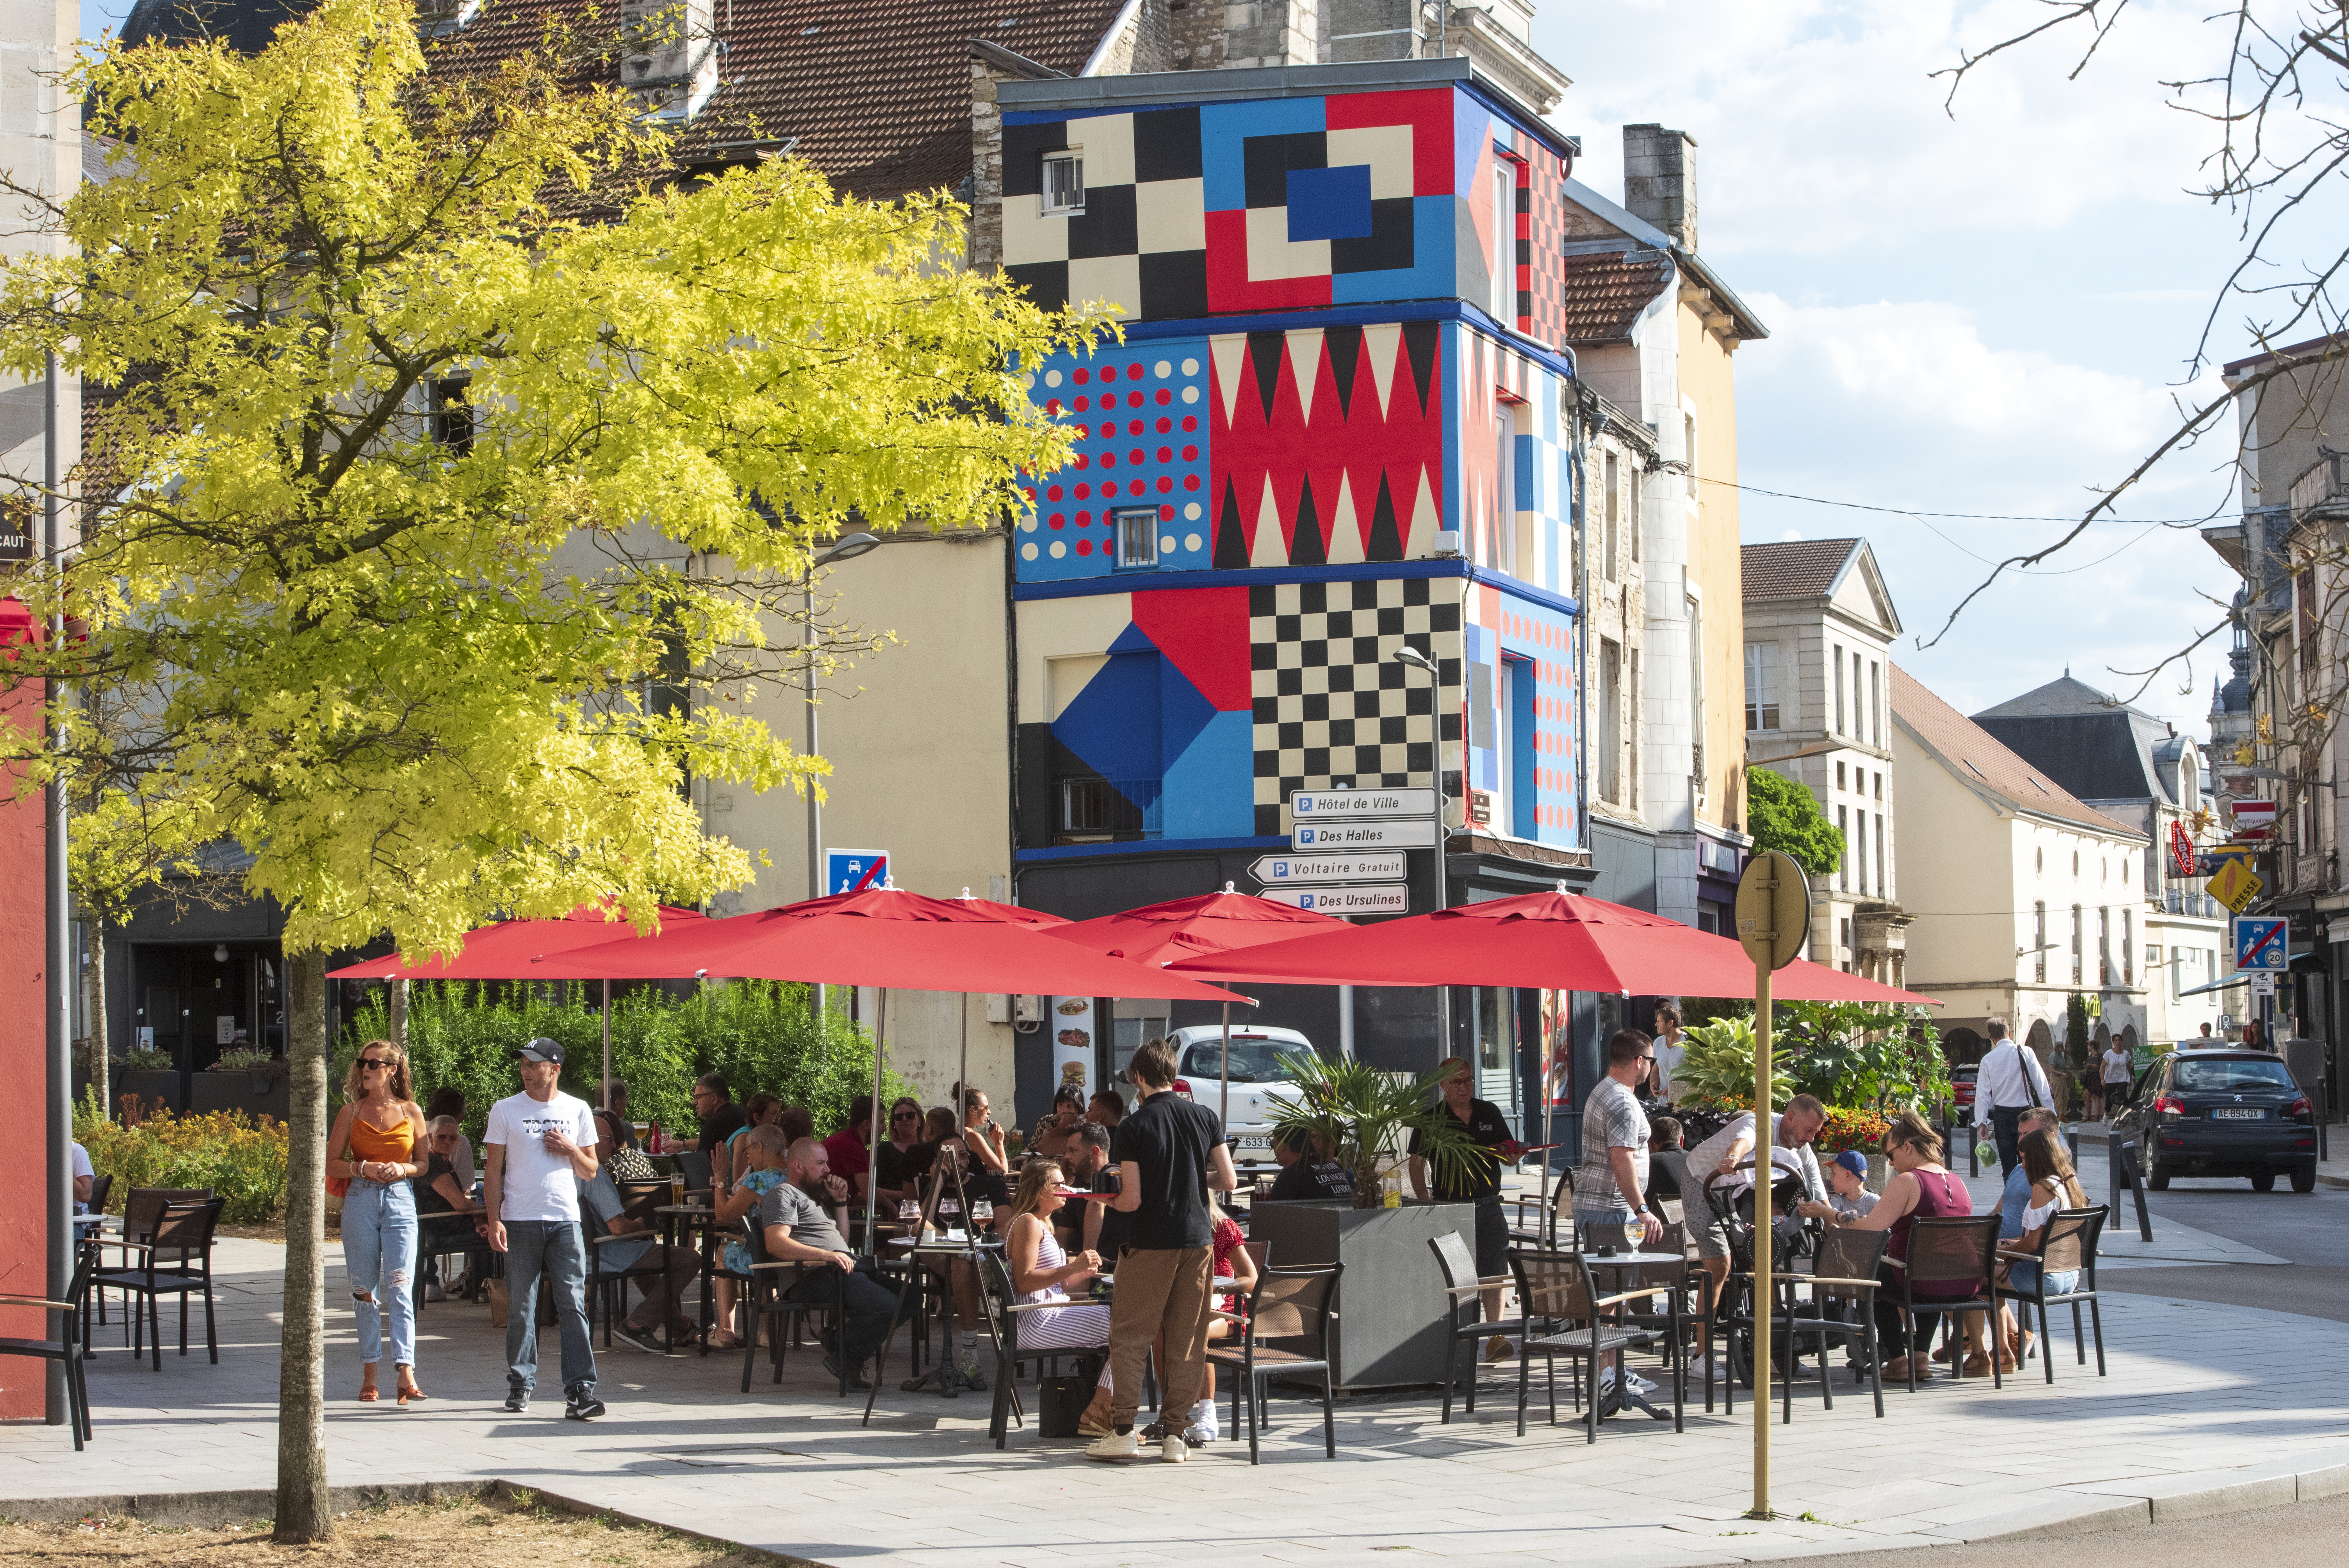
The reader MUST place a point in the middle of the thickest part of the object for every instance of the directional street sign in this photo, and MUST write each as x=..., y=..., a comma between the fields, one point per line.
x=1281, y=871
x=1320, y=805
x=853, y=870
x=2234, y=886
x=1379, y=899
x=2262, y=941
x=1405, y=834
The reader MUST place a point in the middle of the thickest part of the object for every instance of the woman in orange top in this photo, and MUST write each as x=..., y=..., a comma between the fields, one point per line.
x=376, y=1142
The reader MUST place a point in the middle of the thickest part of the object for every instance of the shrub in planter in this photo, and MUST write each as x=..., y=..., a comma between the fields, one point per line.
x=240, y=1157
x=1861, y=1129
x=1717, y=1069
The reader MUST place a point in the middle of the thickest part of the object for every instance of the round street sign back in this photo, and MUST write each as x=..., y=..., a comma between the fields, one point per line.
x=1773, y=909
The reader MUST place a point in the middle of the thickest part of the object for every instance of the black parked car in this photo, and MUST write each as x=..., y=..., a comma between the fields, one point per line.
x=2229, y=1112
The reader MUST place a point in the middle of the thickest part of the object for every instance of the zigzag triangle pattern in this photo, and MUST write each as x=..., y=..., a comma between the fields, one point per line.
x=1310, y=426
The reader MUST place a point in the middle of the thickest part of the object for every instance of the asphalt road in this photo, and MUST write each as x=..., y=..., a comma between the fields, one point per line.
x=2312, y=1229
x=2298, y=1532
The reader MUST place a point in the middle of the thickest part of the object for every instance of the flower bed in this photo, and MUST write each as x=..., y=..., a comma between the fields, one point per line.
x=239, y=1157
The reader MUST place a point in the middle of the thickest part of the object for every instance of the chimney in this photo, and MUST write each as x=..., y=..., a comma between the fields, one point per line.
x=1659, y=179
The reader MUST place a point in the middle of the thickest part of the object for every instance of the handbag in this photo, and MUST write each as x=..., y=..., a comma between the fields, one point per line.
x=340, y=1186
x=628, y=1162
x=1061, y=1402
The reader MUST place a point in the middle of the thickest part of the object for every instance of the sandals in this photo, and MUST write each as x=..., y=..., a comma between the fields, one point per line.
x=369, y=1394
x=409, y=1392
x=1088, y=1427
x=1977, y=1365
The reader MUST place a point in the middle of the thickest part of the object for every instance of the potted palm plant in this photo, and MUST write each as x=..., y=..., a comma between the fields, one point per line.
x=1391, y=1302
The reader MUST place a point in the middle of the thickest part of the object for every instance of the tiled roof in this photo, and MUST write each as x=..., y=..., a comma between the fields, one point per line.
x=2061, y=697
x=1975, y=758
x=877, y=96
x=1606, y=292
x=1795, y=568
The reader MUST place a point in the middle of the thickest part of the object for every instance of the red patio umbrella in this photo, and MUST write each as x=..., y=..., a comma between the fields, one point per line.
x=1193, y=927
x=509, y=949
x=1554, y=941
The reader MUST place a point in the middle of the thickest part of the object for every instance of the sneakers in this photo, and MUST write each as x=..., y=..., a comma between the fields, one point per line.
x=1203, y=1429
x=1116, y=1446
x=1637, y=1384
x=435, y=1291
x=1498, y=1348
x=966, y=1362
x=856, y=1383
x=581, y=1405
x=518, y=1401
x=1173, y=1449
x=645, y=1339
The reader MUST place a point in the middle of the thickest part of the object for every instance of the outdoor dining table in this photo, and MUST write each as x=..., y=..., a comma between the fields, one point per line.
x=675, y=1217
x=1618, y=1262
x=912, y=1249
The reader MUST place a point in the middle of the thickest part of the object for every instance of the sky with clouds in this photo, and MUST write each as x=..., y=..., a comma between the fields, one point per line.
x=1983, y=311
x=1988, y=311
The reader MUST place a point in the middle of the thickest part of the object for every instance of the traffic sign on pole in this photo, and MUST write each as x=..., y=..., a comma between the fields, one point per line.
x=1404, y=834
x=853, y=871
x=1320, y=805
x=2262, y=941
x=1280, y=870
x=1381, y=898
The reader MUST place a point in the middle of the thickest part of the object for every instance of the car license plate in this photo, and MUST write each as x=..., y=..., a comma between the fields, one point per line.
x=2238, y=1113
x=1263, y=1143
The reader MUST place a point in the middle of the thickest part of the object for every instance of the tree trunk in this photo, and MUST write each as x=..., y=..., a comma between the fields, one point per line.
x=303, y=1513
x=93, y=1002
x=399, y=989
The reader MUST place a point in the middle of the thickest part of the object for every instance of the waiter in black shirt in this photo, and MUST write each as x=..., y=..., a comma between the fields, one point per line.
x=1479, y=1183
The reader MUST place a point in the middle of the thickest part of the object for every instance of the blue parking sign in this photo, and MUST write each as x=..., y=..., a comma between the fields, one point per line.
x=854, y=871
x=2263, y=943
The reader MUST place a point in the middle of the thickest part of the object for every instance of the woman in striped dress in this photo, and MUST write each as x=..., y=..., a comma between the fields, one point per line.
x=1040, y=1276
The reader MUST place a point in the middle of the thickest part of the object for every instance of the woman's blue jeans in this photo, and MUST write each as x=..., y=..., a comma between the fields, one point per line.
x=379, y=1254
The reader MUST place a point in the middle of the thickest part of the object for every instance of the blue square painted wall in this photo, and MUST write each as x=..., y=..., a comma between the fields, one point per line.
x=1330, y=203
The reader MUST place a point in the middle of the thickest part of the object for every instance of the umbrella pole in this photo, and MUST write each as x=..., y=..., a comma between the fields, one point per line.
x=607, y=1043
x=872, y=1191
x=1224, y=1071
x=962, y=1072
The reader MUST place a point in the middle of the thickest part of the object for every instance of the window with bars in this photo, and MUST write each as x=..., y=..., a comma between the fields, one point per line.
x=1064, y=184
x=1137, y=538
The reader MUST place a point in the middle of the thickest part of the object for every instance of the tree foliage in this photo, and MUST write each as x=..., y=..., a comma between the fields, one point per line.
x=1782, y=815
x=1367, y=1117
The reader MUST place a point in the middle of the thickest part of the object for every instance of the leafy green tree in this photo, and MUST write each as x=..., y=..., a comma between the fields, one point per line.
x=455, y=436
x=1859, y=1056
x=1782, y=815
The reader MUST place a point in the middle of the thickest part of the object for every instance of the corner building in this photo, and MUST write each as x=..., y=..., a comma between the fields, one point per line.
x=1339, y=426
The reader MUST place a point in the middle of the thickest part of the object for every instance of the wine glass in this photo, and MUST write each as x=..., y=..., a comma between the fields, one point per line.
x=949, y=1213
x=908, y=1211
x=982, y=1212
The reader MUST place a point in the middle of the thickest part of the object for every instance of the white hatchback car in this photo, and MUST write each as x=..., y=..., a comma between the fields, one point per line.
x=1258, y=1080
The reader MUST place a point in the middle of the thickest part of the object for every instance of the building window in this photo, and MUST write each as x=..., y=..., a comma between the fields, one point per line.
x=2039, y=943
x=1879, y=848
x=452, y=415
x=1064, y=184
x=1761, y=685
x=1688, y=438
x=1137, y=538
x=1839, y=775
x=1879, y=785
x=1505, y=240
x=1610, y=722
x=1838, y=691
x=1612, y=513
x=2128, y=961
x=1875, y=703
x=2104, y=948
x=1843, y=826
x=1859, y=853
x=2039, y=860
x=2077, y=970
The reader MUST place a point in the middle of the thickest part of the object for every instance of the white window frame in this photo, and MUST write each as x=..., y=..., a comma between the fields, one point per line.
x=1761, y=707
x=1073, y=160
x=1123, y=523
x=1504, y=299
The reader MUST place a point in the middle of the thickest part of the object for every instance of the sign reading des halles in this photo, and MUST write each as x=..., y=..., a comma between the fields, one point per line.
x=1354, y=805
x=1377, y=899
x=1405, y=834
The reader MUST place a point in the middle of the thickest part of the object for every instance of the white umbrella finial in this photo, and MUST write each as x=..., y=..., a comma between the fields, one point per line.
x=1229, y=888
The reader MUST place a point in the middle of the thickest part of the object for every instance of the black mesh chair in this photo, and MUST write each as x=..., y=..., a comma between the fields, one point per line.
x=67, y=1350
x=1292, y=1307
x=608, y=1287
x=1542, y=1230
x=140, y=1209
x=2067, y=1242
x=762, y=1299
x=176, y=1258
x=1464, y=1316
x=1947, y=1252
x=695, y=1167
x=1843, y=1287
x=1562, y=1314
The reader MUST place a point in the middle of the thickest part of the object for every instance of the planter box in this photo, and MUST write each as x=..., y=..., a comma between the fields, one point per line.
x=234, y=1091
x=150, y=1088
x=1390, y=1301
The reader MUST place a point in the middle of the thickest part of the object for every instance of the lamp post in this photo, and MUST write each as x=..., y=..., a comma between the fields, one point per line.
x=848, y=549
x=1413, y=658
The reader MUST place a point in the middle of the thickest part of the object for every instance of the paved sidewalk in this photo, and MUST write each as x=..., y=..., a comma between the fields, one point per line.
x=2199, y=1395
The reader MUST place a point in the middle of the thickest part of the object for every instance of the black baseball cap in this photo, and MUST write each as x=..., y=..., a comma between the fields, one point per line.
x=543, y=1049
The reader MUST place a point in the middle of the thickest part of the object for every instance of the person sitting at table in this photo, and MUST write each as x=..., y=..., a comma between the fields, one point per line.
x=2054, y=1186
x=2012, y=1199
x=450, y=1101
x=983, y=1136
x=1079, y=1226
x=1041, y=1273
x=1303, y=1176
x=802, y=1221
x=762, y=1109
x=760, y=1151
x=849, y=1149
x=614, y=1129
x=1921, y=1188
x=1107, y=1107
x=84, y=1179
x=630, y=1243
x=1051, y=1138
x=904, y=1134
x=937, y=1129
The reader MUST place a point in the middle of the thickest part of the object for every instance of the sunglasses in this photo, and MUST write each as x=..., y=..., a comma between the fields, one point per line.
x=905, y=1116
x=367, y=1062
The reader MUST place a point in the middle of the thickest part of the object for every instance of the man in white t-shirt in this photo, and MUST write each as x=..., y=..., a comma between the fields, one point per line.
x=84, y=1179
x=1670, y=1046
x=540, y=1145
x=2118, y=1070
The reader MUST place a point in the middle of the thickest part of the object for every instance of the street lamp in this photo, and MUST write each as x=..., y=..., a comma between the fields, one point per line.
x=1415, y=659
x=847, y=549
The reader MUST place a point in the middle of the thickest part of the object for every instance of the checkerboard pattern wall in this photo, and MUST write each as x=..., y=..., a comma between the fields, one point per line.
x=1332, y=705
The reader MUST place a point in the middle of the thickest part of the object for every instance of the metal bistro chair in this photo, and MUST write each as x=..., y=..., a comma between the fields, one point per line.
x=2068, y=1243
x=185, y=1230
x=762, y=1298
x=1292, y=1305
x=608, y=1288
x=1845, y=1278
x=1543, y=1232
x=1464, y=1320
x=695, y=1167
x=140, y=1209
x=1560, y=1315
x=1948, y=1251
x=67, y=1350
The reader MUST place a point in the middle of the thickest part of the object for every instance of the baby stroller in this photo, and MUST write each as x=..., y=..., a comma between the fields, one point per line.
x=1731, y=1196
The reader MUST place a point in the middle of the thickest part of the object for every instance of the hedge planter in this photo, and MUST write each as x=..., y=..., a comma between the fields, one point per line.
x=1389, y=1331
x=150, y=1087
x=257, y=1093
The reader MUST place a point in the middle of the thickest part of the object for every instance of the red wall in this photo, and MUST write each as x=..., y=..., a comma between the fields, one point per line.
x=24, y=1069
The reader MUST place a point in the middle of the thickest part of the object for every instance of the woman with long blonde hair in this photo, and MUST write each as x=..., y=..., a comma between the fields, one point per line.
x=375, y=1144
x=1041, y=1272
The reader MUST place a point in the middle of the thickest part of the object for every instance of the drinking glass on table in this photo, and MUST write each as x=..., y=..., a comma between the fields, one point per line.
x=909, y=1213
x=949, y=1213
x=982, y=1213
